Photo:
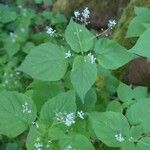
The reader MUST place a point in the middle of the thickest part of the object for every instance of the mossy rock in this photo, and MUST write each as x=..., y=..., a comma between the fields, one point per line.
x=126, y=73
x=127, y=16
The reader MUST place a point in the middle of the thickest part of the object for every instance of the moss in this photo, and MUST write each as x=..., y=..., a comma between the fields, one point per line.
x=124, y=21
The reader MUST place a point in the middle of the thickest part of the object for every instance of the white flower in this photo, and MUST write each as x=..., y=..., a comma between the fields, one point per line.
x=69, y=147
x=38, y=145
x=50, y=31
x=83, y=16
x=131, y=138
x=119, y=137
x=70, y=119
x=68, y=54
x=112, y=23
x=86, y=13
x=25, y=108
x=36, y=124
x=60, y=116
x=76, y=14
x=67, y=119
x=81, y=114
x=49, y=142
x=91, y=58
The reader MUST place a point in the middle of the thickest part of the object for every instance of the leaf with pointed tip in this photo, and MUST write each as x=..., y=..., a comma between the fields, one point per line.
x=63, y=102
x=76, y=141
x=142, y=47
x=111, y=55
x=107, y=125
x=78, y=37
x=83, y=76
x=45, y=62
x=13, y=120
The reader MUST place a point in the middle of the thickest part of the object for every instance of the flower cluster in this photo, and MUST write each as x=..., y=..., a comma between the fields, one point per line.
x=38, y=144
x=68, y=54
x=25, y=108
x=83, y=16
x=50, y=31
x=67, y=119
x=91, y=58
x=119, y=137
x=112, y=24
x=48, y=144
x=69, y=147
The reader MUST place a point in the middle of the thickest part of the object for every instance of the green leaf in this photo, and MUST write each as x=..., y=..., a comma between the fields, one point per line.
x=143, y=144
x=39, y=135
x=111, y=55
x=128, y=146
x=136, y=26
x=107, y=125
x=139, y=113
x=83, y=75
x=14, y=118
x=90, y=100
x=28, y=46
x=58, y=18
x=56, y=133
x=142, y=11
x=136, y=132
x=48, y=2
x=111, y=82
x=143, y=45
x=115, y=106
x=140, y=93
x=6, y=14
x=11, y=48
x=76, y=141
x=78, y=37
x=46, y=62
x=42, y=91
x=38, y=1
x=125, y=92
x=11, y=146
x=64, y=103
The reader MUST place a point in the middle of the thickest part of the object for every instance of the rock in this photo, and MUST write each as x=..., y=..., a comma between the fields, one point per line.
x=137, y=73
